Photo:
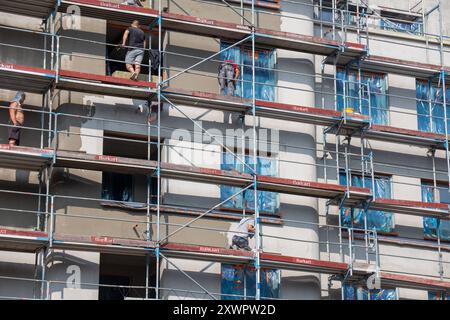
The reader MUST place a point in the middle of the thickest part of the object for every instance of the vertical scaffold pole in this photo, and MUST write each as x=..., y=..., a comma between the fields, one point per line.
x=333, y=10
x=321, y=17
x=255, y=167
x=158, y=166
x=444, y=102
x=358, y=18
x=444, y=88
x=435, y=199
x=148, y=235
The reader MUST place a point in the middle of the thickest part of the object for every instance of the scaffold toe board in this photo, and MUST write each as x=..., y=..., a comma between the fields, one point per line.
x=22, y=240
x=79, y=160
x=289, y=112
x=407, y=136
x=111, y=11
x=312, y=189
x=36, y=8
x=269, y=109
x=413, y=282
x=26, y=158
x=205, y=253
x=206, y=175
x=29, y=79
x=104, y=85
x=381, y=64
x=207, y=100
x=103, y=244
x=417, y=208
x=348, y=51
x=302, y=264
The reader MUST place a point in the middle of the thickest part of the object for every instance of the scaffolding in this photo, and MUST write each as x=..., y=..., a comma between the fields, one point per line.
x=341, y=124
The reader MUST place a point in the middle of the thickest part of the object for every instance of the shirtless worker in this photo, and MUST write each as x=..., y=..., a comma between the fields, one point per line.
x=16, y=118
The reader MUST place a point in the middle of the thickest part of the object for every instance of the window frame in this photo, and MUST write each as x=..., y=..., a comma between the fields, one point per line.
x=247, y=273
x=432, y=122
x=342, y=75
x=269, y=155
x=342, y=173
x=439, y=184
x=240, y=83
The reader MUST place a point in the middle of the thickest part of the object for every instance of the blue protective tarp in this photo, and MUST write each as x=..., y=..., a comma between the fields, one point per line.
x=240, y=280
x=232, y=282
x=359, y=293
x=378, y=98
x=432, y=225
x=230, y=163
x=264, y=73
x=268, y=202
x=380, y=220
x=415, y=27
x=430, y=107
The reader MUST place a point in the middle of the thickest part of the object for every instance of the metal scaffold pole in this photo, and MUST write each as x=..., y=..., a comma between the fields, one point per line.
x=158, y=166
x=444, y=88
x=333, y=10
x=255, y=166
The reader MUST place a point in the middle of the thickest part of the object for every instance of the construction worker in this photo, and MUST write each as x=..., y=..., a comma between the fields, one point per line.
x=228, y=76
x=245, y=230
x=136, y=43
x=134, y=3
x=16, y=118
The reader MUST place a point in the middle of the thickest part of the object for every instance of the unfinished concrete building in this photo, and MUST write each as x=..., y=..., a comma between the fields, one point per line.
x=334, y=141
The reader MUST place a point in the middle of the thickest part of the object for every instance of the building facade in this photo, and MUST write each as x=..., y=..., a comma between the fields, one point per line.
x=334, y=141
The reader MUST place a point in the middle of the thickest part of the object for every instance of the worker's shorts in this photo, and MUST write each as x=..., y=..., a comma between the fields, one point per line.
x=134, y=56
x=241, y=243
x=14, y=134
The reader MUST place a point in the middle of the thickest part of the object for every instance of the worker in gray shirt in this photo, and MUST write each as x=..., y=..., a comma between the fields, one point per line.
x=245, y=230
x=136, y=48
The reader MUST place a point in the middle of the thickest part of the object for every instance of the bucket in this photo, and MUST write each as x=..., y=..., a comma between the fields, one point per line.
x=349, y=110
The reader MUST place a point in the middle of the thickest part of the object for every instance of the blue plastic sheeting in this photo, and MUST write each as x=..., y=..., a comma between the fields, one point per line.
x=430, y=107
x=264, y=74
x=359, y=293
x=240, y=280
x=438, y=295
x=432, y=225
x=326, y=15
x=378, y=98
x=415, y=27
x=268, y=202
x=380, y=220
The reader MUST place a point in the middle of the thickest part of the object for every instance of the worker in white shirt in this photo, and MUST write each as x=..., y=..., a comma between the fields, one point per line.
x=245, y=230
x=134, y=3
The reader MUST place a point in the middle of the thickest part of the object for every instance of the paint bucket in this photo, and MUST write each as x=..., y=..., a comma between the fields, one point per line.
x=349, y=110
